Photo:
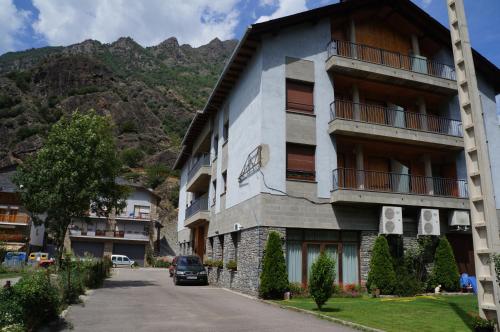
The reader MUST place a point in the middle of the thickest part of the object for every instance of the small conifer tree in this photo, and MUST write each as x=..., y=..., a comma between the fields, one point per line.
x=381, y=275
x=322, y=278
x=445, y=271
x=274, y=277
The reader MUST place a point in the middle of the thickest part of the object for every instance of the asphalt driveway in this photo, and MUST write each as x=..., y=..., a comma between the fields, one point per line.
x=147, y=300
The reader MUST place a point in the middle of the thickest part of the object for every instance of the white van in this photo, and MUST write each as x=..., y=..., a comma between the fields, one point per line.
x=121, y=260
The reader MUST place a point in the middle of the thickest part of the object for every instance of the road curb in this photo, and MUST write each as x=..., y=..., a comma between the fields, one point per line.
x=308, y=312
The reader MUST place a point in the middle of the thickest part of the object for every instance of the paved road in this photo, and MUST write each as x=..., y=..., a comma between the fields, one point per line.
x=147, y=300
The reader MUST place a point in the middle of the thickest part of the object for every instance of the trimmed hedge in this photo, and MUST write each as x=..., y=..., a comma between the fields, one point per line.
x=381, y=275
x=274, y=277
x=322, y=278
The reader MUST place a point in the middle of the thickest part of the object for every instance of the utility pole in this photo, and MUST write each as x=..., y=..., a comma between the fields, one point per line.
x=482, y=201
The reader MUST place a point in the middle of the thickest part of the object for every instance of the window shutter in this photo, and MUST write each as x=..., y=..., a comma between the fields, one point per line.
x=299, y=96
x=300, y=161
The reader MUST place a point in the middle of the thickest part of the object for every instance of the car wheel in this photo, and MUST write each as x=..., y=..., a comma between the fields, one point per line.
x=176, y=281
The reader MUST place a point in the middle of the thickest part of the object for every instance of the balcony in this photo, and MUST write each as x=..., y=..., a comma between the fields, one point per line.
x=14, y=219
x=390, y=124
x=199, y=173
x=386, y=66
x=373, y=187
x=197, y=212
x=123, y=234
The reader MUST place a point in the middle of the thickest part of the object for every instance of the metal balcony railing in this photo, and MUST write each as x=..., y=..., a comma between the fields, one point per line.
x=392, y=59
x=125, y=234
x=201, y=160
x=14, y=218
x=199, y=204
x=346, y=178
x=392, y=117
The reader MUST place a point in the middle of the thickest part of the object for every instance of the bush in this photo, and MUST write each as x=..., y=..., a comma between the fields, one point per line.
x=38, y=299
x=231, y=265
x=274, y=278
x=407, y=283
x=445, y=271
x=381, y=275
x=496, y=260
x=156, y=174
x=322, y=278
x=297, y=290
x=21, y=78
x=218, y=263
x=161, y=263
x=208, y=262
x=131, y=157
x=128, y=126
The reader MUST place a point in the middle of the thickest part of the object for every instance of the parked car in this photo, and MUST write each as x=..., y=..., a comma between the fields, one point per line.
x=189, y=269
x=121, y=260
x=171, y=268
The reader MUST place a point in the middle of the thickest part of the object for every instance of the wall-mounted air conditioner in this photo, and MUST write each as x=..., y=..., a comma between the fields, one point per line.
x=428, y=223
x=391, y=220
x=459, y=220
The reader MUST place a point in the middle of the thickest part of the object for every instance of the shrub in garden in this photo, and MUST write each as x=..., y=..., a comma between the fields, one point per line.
x=381, y=275
x=218, y=263
x=322, y=278
x=38, y=299
x=231, y=265
x=274, y=278
x=445, y=271
x=297, y=290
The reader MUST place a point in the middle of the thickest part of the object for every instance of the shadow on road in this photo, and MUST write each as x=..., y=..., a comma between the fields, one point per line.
x=127, y=283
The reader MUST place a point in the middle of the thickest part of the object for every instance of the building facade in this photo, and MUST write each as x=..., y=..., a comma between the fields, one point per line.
x=17, y=230
x=331, y=127
x=131, y=232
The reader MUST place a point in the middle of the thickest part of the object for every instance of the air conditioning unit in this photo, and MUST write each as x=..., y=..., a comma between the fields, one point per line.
x=459, y=219
x=391, y=220
x=428, y=223
x=237, y=227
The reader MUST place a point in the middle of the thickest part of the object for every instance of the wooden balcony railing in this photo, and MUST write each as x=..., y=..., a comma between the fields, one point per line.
x=390, y=59
x=15, y=218
x=387, y=116
x=352, y=179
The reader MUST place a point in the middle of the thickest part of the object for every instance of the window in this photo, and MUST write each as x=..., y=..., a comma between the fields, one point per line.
x=300, y=162
x=225, y=131
x=141, y=211
x=216, y=146
x=224, y=178
x=299, y=96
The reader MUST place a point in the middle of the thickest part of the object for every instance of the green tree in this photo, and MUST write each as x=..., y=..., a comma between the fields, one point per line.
x=322, y=278
x=496, y=260
x=156, y=174
x=274, y=278
x=381, y=275
x=73, y=172
x=445, y=271
x=131, y=157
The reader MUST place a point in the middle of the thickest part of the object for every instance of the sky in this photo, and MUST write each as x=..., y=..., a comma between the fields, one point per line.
x=26, y=24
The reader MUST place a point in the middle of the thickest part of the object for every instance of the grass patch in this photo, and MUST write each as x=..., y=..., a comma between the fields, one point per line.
x=8, y=275
x=422, y=313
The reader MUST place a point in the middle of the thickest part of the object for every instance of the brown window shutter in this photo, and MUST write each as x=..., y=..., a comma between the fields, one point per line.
x=300, y=162
x=299, y=96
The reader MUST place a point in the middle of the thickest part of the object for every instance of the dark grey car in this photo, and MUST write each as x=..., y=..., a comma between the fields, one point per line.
x=189, y=269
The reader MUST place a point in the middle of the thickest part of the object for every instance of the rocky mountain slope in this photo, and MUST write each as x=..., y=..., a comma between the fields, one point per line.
x=150, y=94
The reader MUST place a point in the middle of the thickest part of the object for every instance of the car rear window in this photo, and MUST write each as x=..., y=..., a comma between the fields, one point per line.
x=188, y=261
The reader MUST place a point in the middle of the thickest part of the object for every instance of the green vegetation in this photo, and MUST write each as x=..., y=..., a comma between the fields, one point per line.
x=25, y=132
x=381, y=275
x=412, y=314
x=74, y=170
x=21, y=78
x=496, y=260
x=7, y=101
x=131, y=157
x=322, y=278
x=156, y=174
x=274, y=278
x=445, y=272
x=128, y=126
x=231, y=265
x=84, y=90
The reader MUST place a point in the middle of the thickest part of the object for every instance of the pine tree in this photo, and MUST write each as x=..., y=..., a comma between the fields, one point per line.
x=445, y=272
x=381, y=275
x=274, y=278
x=322, y=278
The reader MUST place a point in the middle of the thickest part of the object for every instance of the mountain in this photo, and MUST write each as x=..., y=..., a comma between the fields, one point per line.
x=151, y=93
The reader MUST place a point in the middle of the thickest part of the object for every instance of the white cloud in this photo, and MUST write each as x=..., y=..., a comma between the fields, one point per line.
x=12, y=23
x=426, y=3
x=63, y=22
x=284, y=8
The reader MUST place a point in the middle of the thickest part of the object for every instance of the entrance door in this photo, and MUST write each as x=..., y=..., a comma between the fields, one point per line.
x=199, y=245
x=464, y=252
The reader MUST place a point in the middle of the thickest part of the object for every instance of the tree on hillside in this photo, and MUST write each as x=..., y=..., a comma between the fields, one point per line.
x=73, y=172
x=274, y=278
x=445, y=271
x=381, y=275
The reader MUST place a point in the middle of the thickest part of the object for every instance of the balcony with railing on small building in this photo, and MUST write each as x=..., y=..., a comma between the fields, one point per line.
x=199, y=173
x=14, y=219
x=197, y=211
x=384, y=65
x=112, y=234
